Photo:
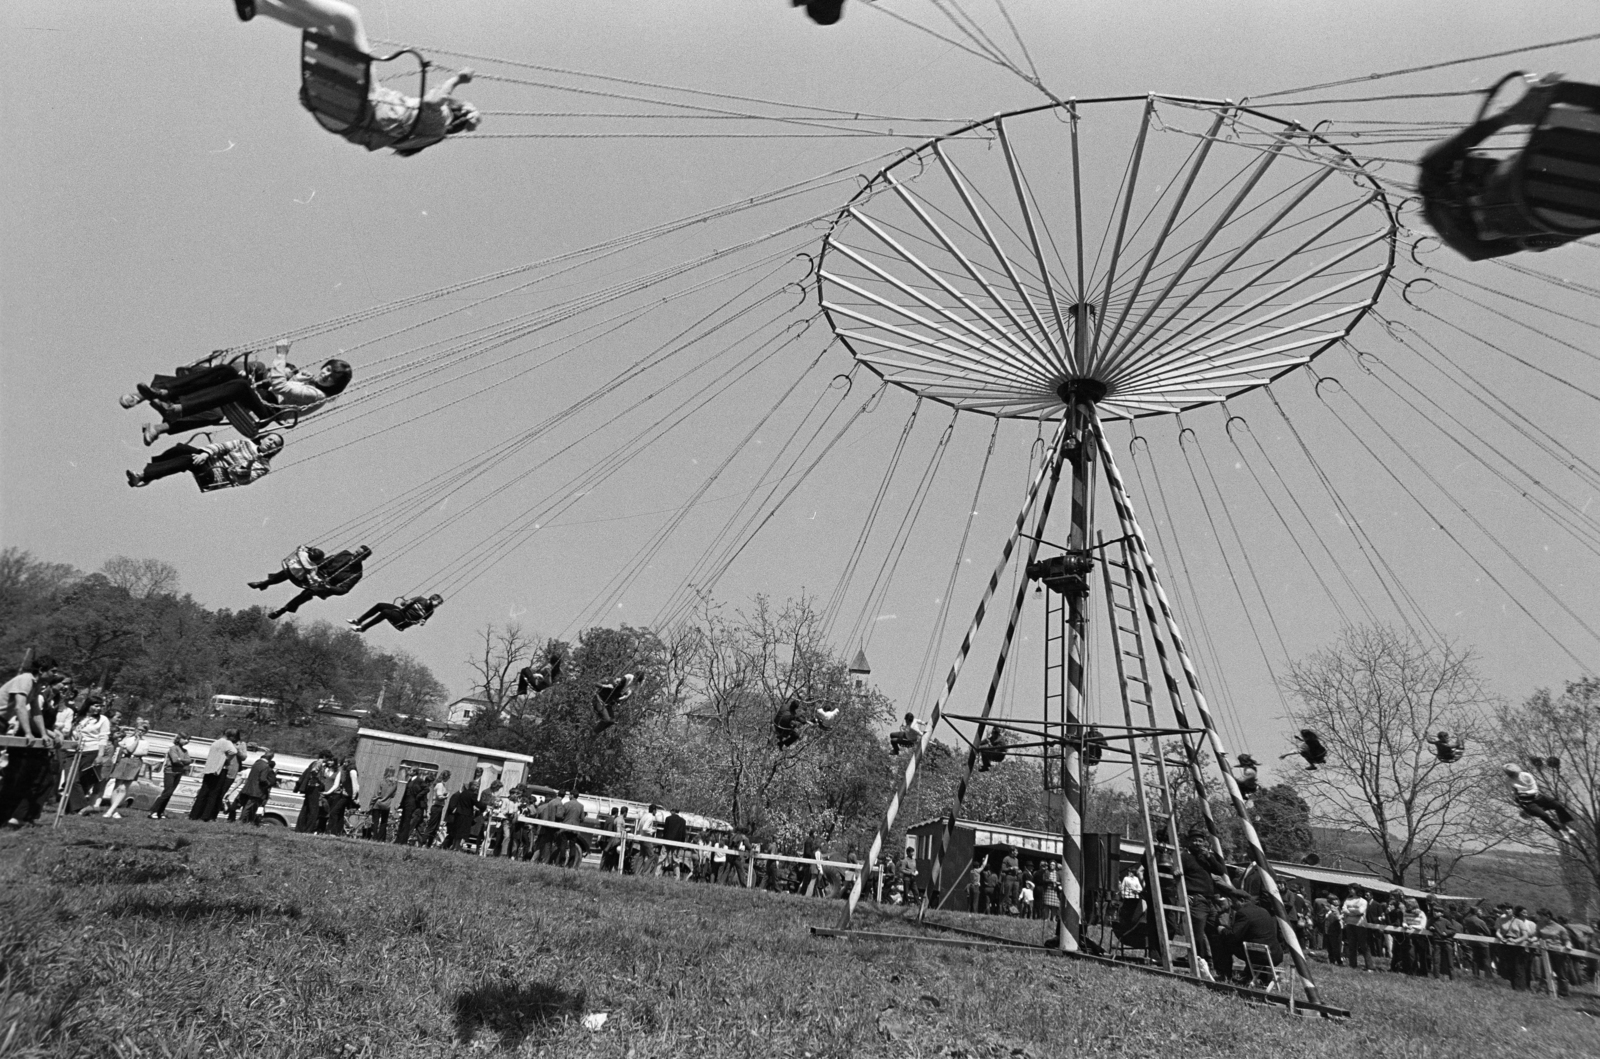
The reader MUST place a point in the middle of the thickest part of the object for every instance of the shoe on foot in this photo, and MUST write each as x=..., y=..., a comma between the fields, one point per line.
x=245, y=9
x=260, y=586
x=129, y=400
x=155, y=816
x=165, y=409
x=274, y=615
x=135, y=480
x=151, y=431
x=149, y=393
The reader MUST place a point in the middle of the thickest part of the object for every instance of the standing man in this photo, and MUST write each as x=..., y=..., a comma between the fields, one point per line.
x=1201, y=869
x=258, y=784
x=173, y=769
x=378, y=808
x=214, y=781
x=21, y=696
x=574, y=846
x=343, y=792
x=412, y=802
x=441, y=796
x=1352, y=916
x=674, y=829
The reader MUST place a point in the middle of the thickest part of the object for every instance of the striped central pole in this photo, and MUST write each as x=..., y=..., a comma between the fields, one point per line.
x=1081, y=454
x=1048, y=472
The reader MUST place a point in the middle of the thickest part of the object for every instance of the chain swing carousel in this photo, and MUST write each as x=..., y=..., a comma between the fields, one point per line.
x=1081, y=263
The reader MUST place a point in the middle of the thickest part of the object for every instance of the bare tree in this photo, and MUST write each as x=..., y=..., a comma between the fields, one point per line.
x=1565, y=728
x=142, y=578
x=1376, y=698
x=496, y=661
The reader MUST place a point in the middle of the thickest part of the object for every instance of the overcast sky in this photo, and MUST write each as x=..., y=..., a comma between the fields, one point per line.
x=168, y=196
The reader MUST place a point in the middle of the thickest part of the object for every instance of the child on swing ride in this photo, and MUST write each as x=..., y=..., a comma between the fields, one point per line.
x=537, y=680
x=405, y=123
x=786, y=724
x=192, y=397
x=241, y=460
x=607, y=697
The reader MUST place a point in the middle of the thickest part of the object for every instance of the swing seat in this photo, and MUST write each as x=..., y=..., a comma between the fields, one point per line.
x=211, y=476
x=1550, y=189
x=1543, y=195
x=302, y=569
x=336, y=82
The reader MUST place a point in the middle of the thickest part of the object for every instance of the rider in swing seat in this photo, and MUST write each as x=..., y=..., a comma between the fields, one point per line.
x=333, y=575
x=402, y=616
x=607, y=697
x=786, y=724
x=392, y=119
x=907, y=735
x=1446, y=749
x=192, y=397
x=534, y=680
x=1308, y=744
x=238, y=462
x=992, y=749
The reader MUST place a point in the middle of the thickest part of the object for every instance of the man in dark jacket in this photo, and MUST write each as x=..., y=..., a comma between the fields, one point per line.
x=1252, y=924
x=574, y=846
x=412, y=802
x=258, y=784
x=674, y=829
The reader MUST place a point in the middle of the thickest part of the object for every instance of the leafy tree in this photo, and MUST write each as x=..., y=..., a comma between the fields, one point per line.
x=1376, y=698
x=142, y=578
x=1566, y=727
x=1283, y=822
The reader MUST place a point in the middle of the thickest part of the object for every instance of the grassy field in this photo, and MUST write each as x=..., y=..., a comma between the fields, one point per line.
x=141, y=938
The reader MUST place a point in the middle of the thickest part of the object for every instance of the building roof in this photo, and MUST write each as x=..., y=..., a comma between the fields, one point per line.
x=985, y=834
x=859, y=663
x=440, y=744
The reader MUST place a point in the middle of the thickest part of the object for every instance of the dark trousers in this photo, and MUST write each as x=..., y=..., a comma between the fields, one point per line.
x=337, y=803
x=1443, y=962
x=379, y=815
x=1421, y=961
x=1515, y=964
x=310, y=812
x=1204, y=928
x=208, y=803
x=1356, y=943
x=198, y=392
x=176, y=460
x=429, y=832
x=169, y=783
x=381, y=612
x=1333, y=938
x=250, y=806
x=20, y=780
x=409, y=815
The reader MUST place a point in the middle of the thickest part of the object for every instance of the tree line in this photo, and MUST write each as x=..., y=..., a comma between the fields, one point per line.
x=161, y=654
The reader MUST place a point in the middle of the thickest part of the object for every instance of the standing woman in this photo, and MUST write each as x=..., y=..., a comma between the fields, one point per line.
x=175, y=767
x=310, y=786
x=128, y=765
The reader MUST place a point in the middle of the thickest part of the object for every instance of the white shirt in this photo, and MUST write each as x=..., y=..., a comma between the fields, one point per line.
x=1523, y=784
x=93, y=732
x=217, y=756
x=1132, y=889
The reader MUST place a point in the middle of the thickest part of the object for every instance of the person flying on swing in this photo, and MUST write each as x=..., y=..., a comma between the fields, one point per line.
x=908, y=734
x=414, y=611
x=192, y=398
x=786, y=724
x=607, y=697
x=391, y=119
x=241, y=461
x=1246, y=776
x=1447, y=750
x=1544, y=807
x=1308, y=744
x=537, y=680
x=824, y=718
x=992, y=749
x=333, y=575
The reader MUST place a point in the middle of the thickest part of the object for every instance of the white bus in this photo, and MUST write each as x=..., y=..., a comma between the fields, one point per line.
x=243, y=706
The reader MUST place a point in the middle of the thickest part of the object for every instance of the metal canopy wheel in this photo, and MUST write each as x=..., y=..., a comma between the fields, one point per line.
x=1149, y=253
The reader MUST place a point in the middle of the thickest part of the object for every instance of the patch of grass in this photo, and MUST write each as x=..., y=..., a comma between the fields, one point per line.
x=276, y=944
